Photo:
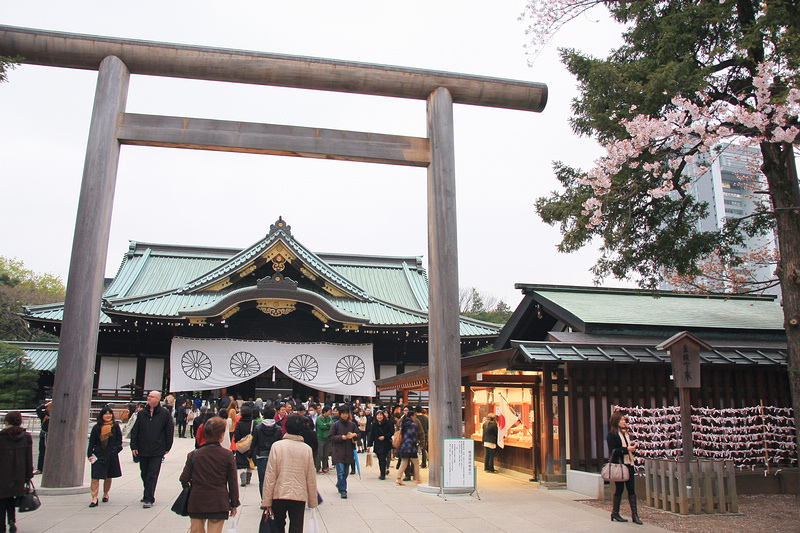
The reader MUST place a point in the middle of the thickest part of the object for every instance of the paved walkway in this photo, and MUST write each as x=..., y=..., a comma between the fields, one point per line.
x=508, y=503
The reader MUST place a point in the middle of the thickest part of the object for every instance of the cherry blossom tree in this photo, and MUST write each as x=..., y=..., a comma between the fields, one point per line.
x=691, y=78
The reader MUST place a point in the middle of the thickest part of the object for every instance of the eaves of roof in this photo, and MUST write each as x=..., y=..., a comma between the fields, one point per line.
x=557, y=352
x=53, y=313
x=42, y=355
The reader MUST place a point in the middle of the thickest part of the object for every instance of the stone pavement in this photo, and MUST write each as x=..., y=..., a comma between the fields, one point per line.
x=508, y=503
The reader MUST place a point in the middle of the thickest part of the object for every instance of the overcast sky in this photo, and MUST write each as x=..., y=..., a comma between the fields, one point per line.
x=503, y=157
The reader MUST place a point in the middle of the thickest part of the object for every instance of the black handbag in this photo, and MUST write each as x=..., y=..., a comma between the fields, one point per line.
x=181, y=505
x=267, y=524
x=29, y=501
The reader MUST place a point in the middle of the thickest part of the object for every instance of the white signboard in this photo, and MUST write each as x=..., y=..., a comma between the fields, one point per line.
x=459, y=464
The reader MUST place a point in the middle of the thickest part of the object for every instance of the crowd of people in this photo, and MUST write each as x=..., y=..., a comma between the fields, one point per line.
x=286, y=442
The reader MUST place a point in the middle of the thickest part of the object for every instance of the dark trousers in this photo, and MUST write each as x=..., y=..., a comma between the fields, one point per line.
x=423, y=447
x=383, y=459
x=42, y=450
x=488, y=459
x=261, y=468
x=150, y=467
x=622, y=485
x=182, y=428
x=8, y=509
x=295, y=509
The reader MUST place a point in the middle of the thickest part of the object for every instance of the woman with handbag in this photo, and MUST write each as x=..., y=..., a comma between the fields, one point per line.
x=409, y=447
x=16, y=466
x=212, y=476
x=620, y=449
x=242, y=437
x=105, y=443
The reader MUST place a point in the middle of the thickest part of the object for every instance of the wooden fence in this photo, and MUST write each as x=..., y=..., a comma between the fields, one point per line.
x=700, y=487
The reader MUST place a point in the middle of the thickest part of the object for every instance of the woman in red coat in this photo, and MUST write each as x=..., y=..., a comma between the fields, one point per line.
x=215, y=493
x=16, y=465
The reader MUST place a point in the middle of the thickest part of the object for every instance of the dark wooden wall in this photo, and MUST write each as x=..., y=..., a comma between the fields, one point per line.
x=593, y=389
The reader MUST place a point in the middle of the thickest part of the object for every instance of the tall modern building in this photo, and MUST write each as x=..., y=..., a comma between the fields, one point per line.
x=726, y=188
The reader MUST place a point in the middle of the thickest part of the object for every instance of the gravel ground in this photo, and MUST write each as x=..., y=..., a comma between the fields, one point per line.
x=763, y=513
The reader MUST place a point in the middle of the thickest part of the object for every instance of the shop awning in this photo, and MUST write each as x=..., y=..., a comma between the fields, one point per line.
x=474, y=364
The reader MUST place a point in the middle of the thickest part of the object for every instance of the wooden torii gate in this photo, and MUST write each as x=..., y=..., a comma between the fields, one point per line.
x=116, y=59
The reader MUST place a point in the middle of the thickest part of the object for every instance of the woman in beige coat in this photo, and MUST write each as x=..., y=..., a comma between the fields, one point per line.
x=290, y=481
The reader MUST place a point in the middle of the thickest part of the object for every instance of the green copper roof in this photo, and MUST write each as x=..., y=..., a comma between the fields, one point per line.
x=42, y=355
x=164, y=281
x=585, y=307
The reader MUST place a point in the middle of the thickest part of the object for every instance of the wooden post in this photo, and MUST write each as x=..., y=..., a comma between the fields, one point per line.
x=547, y=421
x=686, y=424
x=444, y=357
x=72, y=390
x=684, y=352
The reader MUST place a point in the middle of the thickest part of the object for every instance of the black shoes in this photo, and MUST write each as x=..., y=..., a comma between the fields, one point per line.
x=93, y=504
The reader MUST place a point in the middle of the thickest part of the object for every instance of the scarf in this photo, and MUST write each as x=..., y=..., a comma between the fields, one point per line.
x=105, y=433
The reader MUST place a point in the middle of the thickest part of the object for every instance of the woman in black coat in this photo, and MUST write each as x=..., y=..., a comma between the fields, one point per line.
x=381, y=439
x=16, y=466
x=620, y=450
x=244, y=427
x=490, y=436
x=105, y=443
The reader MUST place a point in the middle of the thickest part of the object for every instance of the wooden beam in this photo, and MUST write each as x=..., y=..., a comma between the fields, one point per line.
x=253, y=138
x=71, y=50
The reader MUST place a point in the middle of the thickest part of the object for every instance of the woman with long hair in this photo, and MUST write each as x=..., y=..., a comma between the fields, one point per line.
x=105, y=443
x=620, y=449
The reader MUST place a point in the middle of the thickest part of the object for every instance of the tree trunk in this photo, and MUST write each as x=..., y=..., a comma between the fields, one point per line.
x=781, y=172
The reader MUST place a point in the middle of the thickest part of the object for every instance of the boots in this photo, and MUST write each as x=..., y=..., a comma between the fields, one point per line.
x=249, y=477
x=634, y=510
x=243, y=478
x=615, y=516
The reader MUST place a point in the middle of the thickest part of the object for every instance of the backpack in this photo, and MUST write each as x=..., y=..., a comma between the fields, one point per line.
x=199, y=437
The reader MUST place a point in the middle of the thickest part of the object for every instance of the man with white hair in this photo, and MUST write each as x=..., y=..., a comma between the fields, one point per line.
x=151, y=439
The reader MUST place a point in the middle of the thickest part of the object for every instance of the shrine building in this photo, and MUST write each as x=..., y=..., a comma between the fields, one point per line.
x=272, y=318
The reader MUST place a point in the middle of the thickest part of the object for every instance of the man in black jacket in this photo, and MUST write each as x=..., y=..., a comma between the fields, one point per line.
x=151, y=439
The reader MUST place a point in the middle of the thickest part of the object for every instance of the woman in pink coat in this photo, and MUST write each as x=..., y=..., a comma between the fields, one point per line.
x=290, y=482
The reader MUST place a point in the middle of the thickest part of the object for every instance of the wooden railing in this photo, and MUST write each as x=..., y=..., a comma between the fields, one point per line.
x=699, y=487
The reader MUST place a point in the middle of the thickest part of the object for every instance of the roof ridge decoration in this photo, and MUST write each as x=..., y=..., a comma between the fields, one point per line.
x=279, y=247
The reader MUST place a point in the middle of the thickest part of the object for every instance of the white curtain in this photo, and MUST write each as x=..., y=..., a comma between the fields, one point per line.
x=202, y=364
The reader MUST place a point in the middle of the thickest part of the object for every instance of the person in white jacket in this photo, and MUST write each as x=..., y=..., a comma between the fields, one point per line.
x=290, y=482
